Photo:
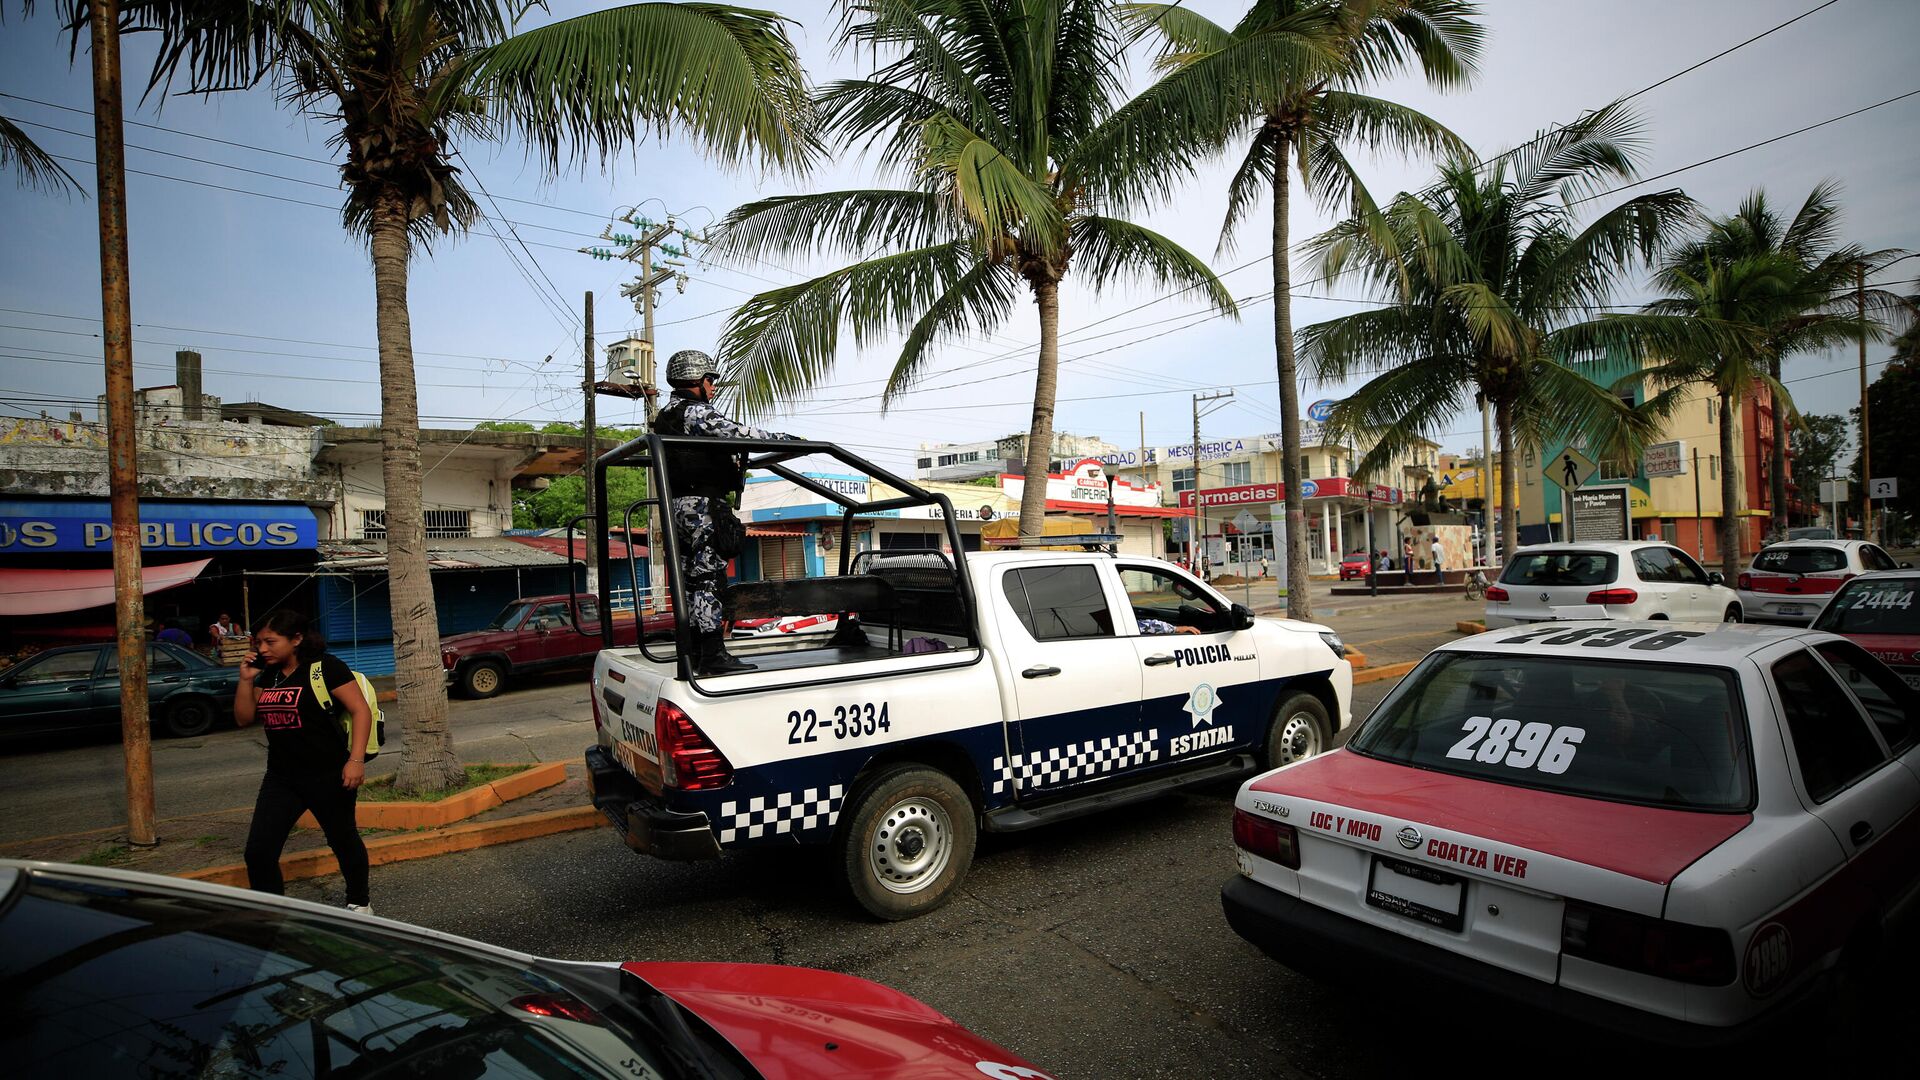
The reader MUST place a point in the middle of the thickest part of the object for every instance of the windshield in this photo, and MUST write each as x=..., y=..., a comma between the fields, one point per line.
x=1547, y=568
x=1872, y=606
x=1658, y=734
x=509, y=616
x=110, y=981
x=1814, y=560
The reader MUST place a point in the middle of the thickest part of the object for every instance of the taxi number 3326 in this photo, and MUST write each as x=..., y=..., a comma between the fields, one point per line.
x=1533, y=745
x=848, y=722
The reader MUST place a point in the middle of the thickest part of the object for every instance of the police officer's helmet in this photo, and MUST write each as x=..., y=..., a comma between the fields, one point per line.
x=688, y=366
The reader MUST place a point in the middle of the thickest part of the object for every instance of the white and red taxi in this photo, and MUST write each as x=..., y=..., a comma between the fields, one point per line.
x=1879, y=613
x=1789, y=581
x=1666, y=831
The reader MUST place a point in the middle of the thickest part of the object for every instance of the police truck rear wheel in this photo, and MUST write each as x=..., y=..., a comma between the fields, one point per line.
x=1300, y=730
x=482, y=680
x=908, y=842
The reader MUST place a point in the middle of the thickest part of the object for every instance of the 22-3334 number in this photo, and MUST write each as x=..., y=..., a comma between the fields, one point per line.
x=852, y=721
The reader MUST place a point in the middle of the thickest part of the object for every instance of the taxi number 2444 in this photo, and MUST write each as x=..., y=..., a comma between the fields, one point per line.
x=848, y=722
x=1508, y=742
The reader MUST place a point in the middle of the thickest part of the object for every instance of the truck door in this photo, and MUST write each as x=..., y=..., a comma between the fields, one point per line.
x=548, y=635
x=1201, y=690
x=1075, y=681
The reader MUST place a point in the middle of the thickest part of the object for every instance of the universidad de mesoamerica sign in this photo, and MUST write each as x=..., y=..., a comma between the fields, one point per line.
x=86, y=525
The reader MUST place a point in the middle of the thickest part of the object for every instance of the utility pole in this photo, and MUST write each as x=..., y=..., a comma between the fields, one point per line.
x=123, y=473
x=1699, y=530
x=1866, y=443
x=593, y=453
x=1486, y=480
x=1199, y=544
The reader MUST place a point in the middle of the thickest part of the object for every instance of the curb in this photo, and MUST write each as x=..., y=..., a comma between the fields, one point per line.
x=392, y=849
x=1387, y=671
x=433, y=815
x=1469, y=628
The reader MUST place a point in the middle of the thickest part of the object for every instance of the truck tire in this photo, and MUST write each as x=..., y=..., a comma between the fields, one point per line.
x=482, y=679
x=1299, y=731
x=907, y=842
x=187, y=717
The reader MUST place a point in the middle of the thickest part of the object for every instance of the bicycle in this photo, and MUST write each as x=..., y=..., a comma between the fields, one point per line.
x=1476, y=587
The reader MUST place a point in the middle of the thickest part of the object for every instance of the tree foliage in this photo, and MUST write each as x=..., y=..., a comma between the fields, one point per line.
x=1818, y=441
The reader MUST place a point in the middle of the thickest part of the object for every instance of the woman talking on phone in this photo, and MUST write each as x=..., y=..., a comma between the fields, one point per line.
x=314, y=762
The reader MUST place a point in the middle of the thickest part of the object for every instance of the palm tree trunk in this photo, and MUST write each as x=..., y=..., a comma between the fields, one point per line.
x=1046, y=382
x=1299, y=592
x=1729, y=492
x=420, y=709
x=1509, y=488
x=1777, y=465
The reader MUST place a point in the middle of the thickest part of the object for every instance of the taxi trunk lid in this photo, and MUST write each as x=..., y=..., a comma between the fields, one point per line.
x=1475, y=868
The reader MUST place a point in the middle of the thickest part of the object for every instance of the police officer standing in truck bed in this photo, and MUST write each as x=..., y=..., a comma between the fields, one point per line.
x=703, y=482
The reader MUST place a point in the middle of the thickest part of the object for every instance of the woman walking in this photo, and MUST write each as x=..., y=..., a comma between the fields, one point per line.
x=313, y=761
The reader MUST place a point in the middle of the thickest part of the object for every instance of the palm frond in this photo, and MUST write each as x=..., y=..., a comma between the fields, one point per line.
x=728, y=77
x=1109, y=250
x=1182, y=34
x=980, y=301
x=849, y=223
x=1597, y=149
x=990, y=188
x=32, y=166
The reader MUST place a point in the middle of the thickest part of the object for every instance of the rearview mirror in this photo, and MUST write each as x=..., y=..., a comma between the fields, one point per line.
x=543, y=624
x=1906, y=566
x=1242, y=617
x=1714, y=578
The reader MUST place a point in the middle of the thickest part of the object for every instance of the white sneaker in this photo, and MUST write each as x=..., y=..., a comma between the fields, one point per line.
x=363, y=909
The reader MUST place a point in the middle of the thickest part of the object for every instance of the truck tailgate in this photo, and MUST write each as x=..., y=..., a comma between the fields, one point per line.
x=627, y=694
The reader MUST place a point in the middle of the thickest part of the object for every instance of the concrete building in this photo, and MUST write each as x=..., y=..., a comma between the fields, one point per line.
x=1007, y=454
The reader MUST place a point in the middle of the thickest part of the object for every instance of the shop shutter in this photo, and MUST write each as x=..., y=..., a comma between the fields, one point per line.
x=782, y=558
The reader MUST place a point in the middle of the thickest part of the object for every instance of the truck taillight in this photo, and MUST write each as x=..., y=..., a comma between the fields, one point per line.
x=688, y=759
x=449, y=659
x=1266, y=838
x=1495, y=592
x=1702, y=955
x=593, y=699
x=1745, y=581
x=1612, y=597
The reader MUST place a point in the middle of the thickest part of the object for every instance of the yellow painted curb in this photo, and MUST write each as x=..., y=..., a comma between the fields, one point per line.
x=1357, y=658
x=1469, y=628
x=1390, y=671
x=432, y=815
x=393, y=849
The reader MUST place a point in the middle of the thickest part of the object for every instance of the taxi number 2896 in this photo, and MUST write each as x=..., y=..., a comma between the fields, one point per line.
x=848, y=722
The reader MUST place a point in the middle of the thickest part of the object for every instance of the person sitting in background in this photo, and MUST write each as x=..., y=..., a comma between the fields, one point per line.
x=222, y=628
x=173, y=635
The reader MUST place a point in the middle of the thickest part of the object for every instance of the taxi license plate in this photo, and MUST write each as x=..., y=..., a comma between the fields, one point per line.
x=1786, y=609
x=1417, y=892
x=1912, y=678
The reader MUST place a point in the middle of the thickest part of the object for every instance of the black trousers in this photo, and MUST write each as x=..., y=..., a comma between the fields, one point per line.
x=281, y=801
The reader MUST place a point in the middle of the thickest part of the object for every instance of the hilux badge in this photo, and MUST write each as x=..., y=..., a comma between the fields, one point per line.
x=1409, y=837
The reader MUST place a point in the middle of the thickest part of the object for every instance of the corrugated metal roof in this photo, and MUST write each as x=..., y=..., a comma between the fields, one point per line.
x=466, y=553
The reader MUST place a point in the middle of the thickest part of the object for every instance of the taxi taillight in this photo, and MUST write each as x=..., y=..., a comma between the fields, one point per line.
x=1702, y=955
x=1746, y=582
x=688, y=759
x=1612, y=597
x=1495, y=592
x=1266, y=838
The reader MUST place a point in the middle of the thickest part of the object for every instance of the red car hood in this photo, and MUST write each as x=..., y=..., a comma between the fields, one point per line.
x=1893, y=650
x=478, y=639
x=797, y=1023
x=1645, y=842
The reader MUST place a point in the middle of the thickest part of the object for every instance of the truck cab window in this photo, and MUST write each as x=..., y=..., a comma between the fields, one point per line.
x=1057, y=602
x=1157, y=594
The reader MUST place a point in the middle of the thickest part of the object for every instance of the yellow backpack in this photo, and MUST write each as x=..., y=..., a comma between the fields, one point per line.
x=325, y=697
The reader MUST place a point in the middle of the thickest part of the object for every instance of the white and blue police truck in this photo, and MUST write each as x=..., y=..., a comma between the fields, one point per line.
x=997, y=690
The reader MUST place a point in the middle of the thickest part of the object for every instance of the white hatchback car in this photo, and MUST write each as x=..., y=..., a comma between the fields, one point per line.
x=1613, y=579
x=1671, y=832
x=1791, y=581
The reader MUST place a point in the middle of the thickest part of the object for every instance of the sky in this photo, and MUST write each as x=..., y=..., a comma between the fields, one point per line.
x=238, y=251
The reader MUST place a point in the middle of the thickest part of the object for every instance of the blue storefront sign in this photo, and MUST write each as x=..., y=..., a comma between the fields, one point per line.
x=86, y=525
x=1321, y=411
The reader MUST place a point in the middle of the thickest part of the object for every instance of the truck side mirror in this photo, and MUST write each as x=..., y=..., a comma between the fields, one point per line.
x=1242, y=617
x=1714, y=578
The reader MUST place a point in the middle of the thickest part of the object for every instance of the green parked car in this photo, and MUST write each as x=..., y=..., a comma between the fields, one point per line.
x=78, y=687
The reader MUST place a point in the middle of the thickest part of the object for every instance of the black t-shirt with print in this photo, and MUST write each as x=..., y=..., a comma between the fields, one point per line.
x=303, y=739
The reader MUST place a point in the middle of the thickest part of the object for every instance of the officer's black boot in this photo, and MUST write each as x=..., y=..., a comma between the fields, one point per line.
x=716, y=660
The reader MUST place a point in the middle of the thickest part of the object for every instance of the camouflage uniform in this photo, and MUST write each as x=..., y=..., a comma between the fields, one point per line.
x=696, y=517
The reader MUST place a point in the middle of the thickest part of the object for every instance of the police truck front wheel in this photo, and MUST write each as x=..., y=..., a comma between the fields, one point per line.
x=1299, y=730
x=908, y=842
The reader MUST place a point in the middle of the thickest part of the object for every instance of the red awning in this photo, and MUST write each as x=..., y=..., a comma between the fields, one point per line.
x=44, y=592
x=1120, y=509
x=777, y=532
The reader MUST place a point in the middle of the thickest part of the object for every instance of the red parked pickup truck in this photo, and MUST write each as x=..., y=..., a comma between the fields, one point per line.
x=536, y=633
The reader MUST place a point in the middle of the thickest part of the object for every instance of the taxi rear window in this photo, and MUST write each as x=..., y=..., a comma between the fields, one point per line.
x=1800, y=560
x=1542, y=568
x=1873, y=607
x=1663, y=735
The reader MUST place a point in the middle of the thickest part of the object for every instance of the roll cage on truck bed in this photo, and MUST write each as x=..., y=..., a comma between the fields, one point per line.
x=955, y=692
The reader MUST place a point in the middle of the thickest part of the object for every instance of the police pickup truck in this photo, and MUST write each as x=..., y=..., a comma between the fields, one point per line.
x=997, y=690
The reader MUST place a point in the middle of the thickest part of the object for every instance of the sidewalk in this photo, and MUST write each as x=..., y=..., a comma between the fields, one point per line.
x=196, y=844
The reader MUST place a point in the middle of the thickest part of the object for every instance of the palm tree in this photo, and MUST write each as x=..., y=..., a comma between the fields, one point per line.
x=999, y=118
x=31, y=166
x=1229, y=85
x=1491, y=289
x=404, y=82
x=1784, y=289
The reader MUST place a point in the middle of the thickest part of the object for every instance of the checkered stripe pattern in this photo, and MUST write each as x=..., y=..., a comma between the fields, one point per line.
x=787, y=812
x=1076, y=760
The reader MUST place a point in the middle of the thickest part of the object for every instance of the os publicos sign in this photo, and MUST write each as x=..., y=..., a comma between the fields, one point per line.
x=87, y=526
